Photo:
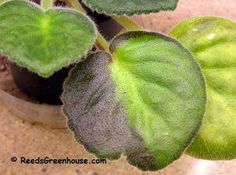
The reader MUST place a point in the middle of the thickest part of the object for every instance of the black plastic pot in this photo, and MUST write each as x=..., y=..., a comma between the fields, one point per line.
x=48, y=90
x=44, y=90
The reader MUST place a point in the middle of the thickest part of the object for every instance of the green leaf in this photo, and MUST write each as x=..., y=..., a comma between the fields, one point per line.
x=131, y=7
x=43, y=41
x=212, y=41
x=145, y=100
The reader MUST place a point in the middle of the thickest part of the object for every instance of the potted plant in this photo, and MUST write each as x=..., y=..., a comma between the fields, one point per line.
x=48, y=90
x=45, y=92
x=142, y=95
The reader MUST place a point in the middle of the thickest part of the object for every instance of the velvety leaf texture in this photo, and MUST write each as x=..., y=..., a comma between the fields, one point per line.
x=131, y=7
x=146, y=100
x=43, y=41
x=212, y=41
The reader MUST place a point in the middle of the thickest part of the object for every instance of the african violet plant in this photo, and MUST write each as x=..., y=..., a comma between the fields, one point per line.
x=143, y=95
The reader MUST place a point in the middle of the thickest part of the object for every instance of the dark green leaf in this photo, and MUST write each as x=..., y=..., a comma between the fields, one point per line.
x=131, y=7
x=145, y=100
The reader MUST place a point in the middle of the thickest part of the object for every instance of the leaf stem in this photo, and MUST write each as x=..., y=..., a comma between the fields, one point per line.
x=102, y=42
x=127, y=23
x=46, y=4
x=76, y=5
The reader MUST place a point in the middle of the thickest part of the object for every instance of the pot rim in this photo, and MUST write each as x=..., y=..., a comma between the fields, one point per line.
x=50, y=115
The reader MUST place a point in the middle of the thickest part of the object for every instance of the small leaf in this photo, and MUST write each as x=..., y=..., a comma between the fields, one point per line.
x=145, y=101
x=43, y=41
x=212, y=41
x=131, y=7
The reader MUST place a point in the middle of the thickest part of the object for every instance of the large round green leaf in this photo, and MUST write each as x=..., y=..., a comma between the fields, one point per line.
x=43, y=41
x=212, y=41
x=146, y=100
x=131, y=7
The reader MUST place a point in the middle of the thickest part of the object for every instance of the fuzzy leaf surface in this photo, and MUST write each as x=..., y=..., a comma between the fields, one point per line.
x=131, y=7
x=43, y=41
x=146, y=100
x=212, y=41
